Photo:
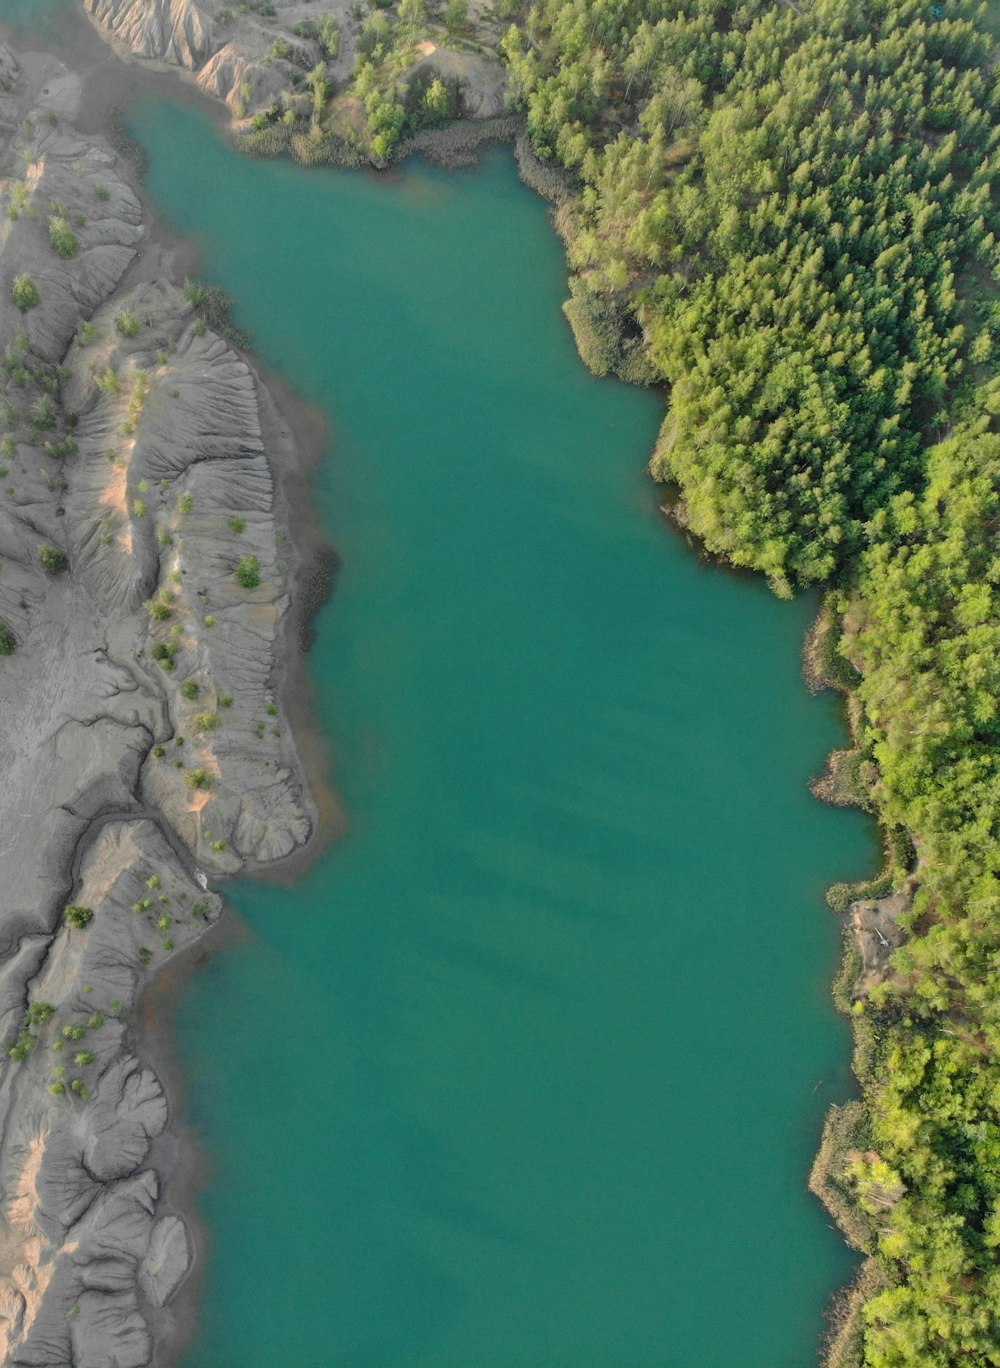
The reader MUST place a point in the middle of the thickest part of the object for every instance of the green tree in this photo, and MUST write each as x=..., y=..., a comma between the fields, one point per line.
x=456, y=16
x=329, y=36
x=437, y=99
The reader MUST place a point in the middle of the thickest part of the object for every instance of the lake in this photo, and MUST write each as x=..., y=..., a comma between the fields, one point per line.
x=528, y=1070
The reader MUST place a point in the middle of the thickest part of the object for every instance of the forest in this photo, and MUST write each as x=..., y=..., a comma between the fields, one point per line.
x=785, y=214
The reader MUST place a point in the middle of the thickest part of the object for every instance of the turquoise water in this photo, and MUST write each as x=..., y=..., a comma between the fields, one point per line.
x=33, y=16
x=529, y=1070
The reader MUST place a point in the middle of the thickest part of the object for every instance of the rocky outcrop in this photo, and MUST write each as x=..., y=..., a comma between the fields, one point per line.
x=176, y=31
x=245, y=56
x=141, y=738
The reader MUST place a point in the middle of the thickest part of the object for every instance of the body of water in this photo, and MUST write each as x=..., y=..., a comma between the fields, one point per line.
x=528, y=1071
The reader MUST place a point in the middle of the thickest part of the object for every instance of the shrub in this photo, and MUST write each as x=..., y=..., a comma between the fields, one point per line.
x=96, y=1019
x=248, y=572
x=207, y=722
x=189, y=689
x=127, y=323
x=58, y=1088
x=237, y=524
x=53, y=561
x=8, y=641
x=159, y=610
x=186, y=502
x=79, y=917
x=24, y=293
x=39, y=1013
x=83, y=1058
x=102, y=192
x=225, y=700
x=76, y=1032
x=456, y=14
x=62, y=237
x=329, y=36
x=198, y=779
x=25, y=1044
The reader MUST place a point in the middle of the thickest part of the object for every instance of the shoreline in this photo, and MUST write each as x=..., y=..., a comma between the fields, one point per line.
x=296, y=437
x=186, y=1172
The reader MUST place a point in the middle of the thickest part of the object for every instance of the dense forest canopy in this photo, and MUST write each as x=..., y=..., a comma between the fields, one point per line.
x=785, y=212
x=791, y=195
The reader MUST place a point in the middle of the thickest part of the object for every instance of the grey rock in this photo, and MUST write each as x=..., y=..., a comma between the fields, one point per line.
x=88, y=814
x=167, y=1260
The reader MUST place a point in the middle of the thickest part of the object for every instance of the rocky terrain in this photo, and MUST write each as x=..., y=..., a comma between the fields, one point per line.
x=253, y=56
x=143, y=587
x=226, y=49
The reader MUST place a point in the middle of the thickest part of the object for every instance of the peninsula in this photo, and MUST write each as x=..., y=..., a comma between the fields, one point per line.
x=143, y=598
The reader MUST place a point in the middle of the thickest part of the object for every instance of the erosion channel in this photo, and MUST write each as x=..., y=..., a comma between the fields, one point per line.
x=528, y=1070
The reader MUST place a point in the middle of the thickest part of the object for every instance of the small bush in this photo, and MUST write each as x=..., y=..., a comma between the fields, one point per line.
x=53, y=561
x=186, y=502
x=76, y=1032
x=198, y=779
x=159, y=611
x=127, y=323
x=84, y=1057
x=24, y=293
x=189, y=689
x=79, y=917
x=237, y=524
x=25, y=1044
x=62, y=237
x=8, y=641
x=248, y=572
